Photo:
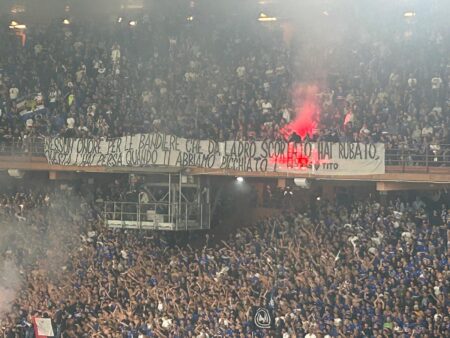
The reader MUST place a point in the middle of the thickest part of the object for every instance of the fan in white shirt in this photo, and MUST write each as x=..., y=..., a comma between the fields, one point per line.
x=427, y=131
x=436, y=83
x=115, y=54
x=13, y=93
x=240, y=71
x=266, y=107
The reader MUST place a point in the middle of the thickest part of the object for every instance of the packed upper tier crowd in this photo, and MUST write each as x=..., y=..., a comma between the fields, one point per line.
x=368, y=269
x=223, y=80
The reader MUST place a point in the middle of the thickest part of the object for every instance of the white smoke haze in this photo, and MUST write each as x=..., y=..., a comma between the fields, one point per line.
x=10, y=284
x=40, y=241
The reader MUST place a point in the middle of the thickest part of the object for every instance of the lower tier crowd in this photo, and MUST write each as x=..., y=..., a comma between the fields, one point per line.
x=368, y=269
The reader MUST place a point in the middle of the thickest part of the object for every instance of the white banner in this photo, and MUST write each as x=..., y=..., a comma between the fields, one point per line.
x=148, y=150
x=43, y=327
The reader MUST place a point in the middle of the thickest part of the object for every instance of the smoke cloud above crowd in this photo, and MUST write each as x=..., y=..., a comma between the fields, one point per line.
x=10, y=284
x=34, y=232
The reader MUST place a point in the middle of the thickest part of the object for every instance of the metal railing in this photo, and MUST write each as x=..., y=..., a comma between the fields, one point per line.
x=399, y=159
x=426, y=159
x=22, y=146
x=157, y=216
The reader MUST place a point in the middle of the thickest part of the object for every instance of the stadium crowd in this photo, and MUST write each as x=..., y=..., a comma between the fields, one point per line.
x=364, y=268
x=217, y=79
x=368, y=269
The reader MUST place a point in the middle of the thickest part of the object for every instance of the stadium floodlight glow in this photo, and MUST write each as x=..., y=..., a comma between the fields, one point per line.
x=132, y=23
x=240, y=179
x=409, y=14
x=66, y=22
x=265, y=18
x=16, y=25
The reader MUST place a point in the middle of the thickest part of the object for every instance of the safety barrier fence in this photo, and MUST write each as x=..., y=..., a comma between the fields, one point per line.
x=156, y=216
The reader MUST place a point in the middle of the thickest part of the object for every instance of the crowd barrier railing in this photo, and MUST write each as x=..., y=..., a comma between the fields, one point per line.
x=405, y=159
x=29, y=146
x=156, y=216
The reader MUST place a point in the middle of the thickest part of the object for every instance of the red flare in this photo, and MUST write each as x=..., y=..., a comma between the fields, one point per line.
x=307, y=112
